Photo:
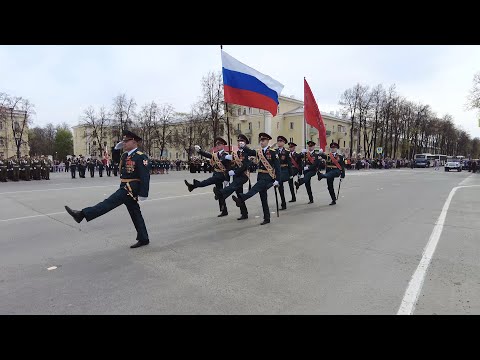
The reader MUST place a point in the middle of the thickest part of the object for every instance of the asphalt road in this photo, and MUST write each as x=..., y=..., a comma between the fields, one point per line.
x=357, y=257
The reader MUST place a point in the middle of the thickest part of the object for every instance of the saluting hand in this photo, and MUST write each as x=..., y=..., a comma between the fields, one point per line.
x=231, y=173
x=197, y=148
x=228, y=157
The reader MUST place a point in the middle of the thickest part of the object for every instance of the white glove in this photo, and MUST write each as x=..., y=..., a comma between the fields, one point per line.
x=141, y=198
x=197, y=148
x=231, y=173
x=304, y=151
x=228, y=157
x=275, y=183
x=301, y=176
x=291, y=177
x=119, y=146
x=305, y=168
x=321, y=151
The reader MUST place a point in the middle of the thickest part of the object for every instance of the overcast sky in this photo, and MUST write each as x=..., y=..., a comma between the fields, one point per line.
x=64, y=80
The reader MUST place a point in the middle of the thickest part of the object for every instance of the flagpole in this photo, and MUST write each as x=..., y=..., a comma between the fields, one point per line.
x=228, y=120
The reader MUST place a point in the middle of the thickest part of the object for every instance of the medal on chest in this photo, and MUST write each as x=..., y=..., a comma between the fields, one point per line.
x=129, y=165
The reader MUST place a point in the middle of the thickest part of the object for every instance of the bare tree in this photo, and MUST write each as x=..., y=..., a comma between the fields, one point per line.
x=163, y=123
x=122, y=113
x=349, y=100
x=474, y=96
x=20, y=112
x=98, y=123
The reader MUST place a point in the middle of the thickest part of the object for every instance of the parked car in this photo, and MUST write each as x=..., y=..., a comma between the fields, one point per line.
x=453, y=164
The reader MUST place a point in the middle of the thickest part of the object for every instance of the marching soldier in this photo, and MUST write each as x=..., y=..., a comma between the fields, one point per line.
x=335, y=167
x=108, y=167
x=134, y=186
x=268, y=171
x=36, y=167
x=296, y=160
x=115, y=168
x=100, y=168
x=42, y=167
x=3, y=169
x=311, y=164
x=82, y=164
x=286, y=171
x=221, y=167
x=48, y=166
x=240, y=174
x=73, y=166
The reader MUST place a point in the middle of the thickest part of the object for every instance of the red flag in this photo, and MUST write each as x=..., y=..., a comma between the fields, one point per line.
x=313, y=116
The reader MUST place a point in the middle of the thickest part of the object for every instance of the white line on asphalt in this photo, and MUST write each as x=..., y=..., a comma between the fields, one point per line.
x=84, y=187
x=414, y=288
x=64, y=212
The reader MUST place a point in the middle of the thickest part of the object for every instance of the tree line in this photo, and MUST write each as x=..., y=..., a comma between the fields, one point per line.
x=381, y=117
x=51, y=140
x=158, y=124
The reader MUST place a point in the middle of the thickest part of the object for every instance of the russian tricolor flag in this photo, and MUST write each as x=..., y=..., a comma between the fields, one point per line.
x=245, y=86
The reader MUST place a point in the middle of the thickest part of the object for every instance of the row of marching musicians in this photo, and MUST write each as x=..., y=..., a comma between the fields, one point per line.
x=24, y=168
x=275, y=166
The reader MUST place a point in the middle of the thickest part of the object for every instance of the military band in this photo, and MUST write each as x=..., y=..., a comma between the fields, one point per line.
x=286, y=172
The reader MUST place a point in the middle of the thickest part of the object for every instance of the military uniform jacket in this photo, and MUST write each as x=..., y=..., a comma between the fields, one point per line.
x=285, y=161
x=243, y=156
x=331, y=166
x=136, y=166
x=298, y=159
x=226, y=163
x=314, y=163
x=272, y=157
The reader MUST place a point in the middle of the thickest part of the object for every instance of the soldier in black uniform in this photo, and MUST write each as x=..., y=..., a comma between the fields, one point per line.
x=240, y=173
x=286, y=172
x=82, y=164
x=73, y=166
x=37, y=168
x=311, y=163
x=332, y=170
x=134, y=186
x=3, y=169
x=15, y=169
x=221, y=167
x=108, y=167
x=25, y=168
x=100, y=168
x=91, y=167
x=268, y=171
x=296, y=160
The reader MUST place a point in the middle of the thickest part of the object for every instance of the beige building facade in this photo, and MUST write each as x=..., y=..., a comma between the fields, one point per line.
x=8, y=146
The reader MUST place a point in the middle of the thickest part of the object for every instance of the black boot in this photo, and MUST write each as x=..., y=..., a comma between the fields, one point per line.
x=293, y=200
x=223, y=213
x=218, y=194
x=140, y=243
x=265, y=221
x=189, y=186
x=284, y=207
x=297, y=185
x=77, y=215
x=333, y=202
x=311, y=201
x=320, y=176
x=238, y=201
x=243, y=217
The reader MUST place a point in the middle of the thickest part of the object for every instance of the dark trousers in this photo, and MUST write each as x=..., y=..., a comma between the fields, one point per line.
x=307, y=181
x=290, y=184
x=72, y=170
x=118, y=198
x=217, y=179
x=115, y=170
x=92, y=171
x=100, y=171
x=285, y=176
x=67, y=167
x=108, y=169
x=330, y=176
x=264, y=182
x=237, y=187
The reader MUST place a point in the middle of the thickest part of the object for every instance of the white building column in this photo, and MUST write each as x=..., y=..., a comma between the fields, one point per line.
x=268, y=122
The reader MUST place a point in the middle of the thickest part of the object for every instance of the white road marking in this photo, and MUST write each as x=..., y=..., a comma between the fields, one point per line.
x=415, y=285
x=52, y=268
x=64, y=212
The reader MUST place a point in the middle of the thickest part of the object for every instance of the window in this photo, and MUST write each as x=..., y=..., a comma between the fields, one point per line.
x=94, y=143
x=339, y=128
x=249, y=126
x=278, y=125
x=278, y=109
x=2, y=143
x=2, y=153
x=250, y=140
x=244, y=111
x=249, y=110
x=184, y=154
x=259, y=124
x=176, y=155
x=1, y=125
x=105, y=144
x=291, y=126
x=291, y=139
x=343, y=143
x=238, y=127
x=239, y=112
